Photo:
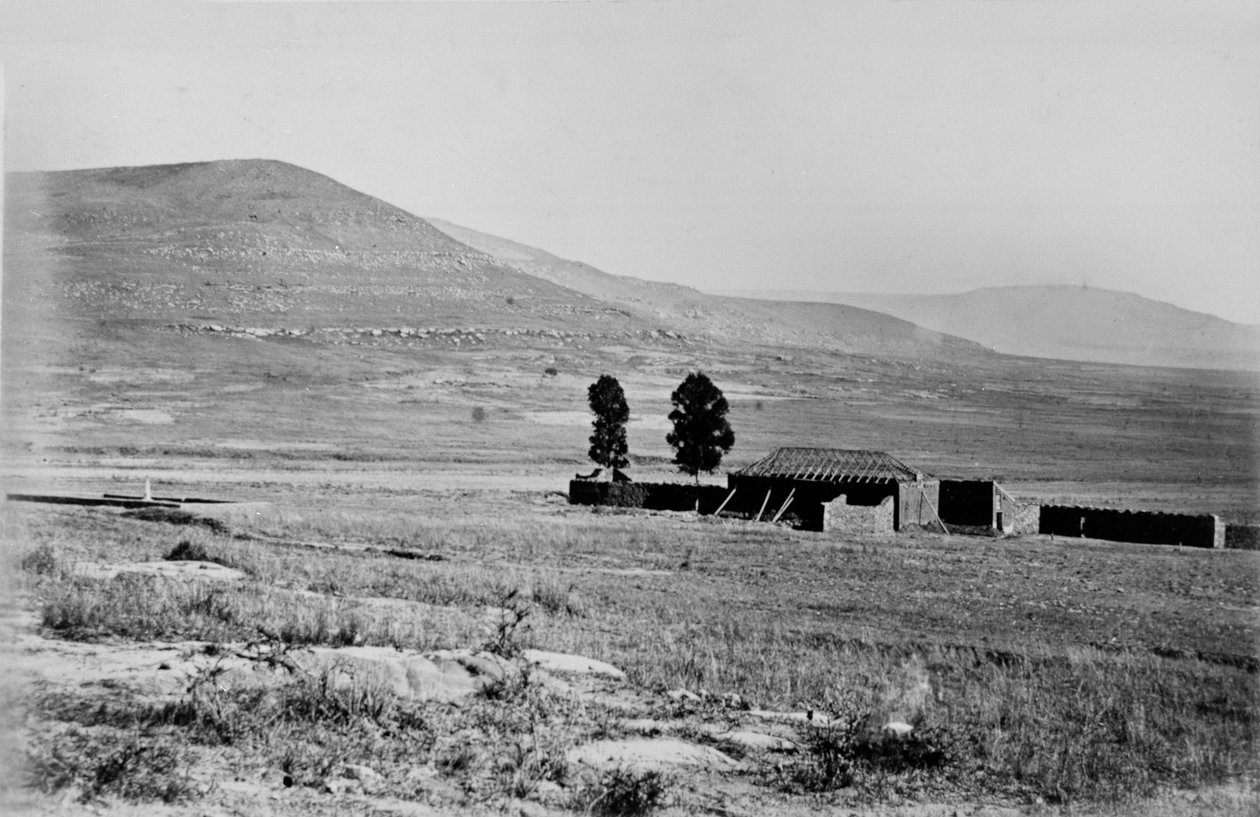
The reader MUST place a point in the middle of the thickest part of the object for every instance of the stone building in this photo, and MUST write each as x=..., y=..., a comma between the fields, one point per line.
x=812, y=477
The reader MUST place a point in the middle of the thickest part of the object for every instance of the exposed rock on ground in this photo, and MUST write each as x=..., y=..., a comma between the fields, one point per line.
x=649, y=753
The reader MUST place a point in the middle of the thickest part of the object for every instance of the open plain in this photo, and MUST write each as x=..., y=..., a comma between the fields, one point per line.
x=396, y=417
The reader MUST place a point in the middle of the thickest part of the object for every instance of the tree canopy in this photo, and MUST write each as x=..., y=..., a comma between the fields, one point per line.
x=701, y=433
x=608, y=442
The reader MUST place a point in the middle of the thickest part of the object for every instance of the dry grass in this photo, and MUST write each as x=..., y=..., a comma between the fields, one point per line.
x=1027, y=675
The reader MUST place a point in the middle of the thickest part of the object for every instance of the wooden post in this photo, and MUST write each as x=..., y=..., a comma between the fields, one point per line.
x=784, y=506
x=1005, y=494
x=764, y=502
x=724, y=501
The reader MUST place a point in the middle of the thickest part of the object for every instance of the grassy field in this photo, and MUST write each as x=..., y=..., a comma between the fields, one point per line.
x=1074, y=672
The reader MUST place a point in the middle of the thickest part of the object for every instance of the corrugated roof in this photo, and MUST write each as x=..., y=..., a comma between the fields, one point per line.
x=832, y=465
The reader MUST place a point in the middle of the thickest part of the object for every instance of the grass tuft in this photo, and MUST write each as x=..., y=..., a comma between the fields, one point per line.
x=625, y=792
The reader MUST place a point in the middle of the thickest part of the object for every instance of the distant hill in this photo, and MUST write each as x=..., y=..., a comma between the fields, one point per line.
x=261, y=243
x=257, y=242
x=833, y=327
x=1068, y=323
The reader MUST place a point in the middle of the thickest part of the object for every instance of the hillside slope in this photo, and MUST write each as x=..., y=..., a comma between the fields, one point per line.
x=1069, y=323
x=255, y=241
x=832, y=327
x=262, y=243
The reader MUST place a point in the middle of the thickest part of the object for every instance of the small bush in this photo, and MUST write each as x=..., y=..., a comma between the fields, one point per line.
x=826, y=764
x=502, y=638
x=187, y=551
x=622, y=792
x=41, y=561
x=143, y=767
x=557, y=599
x=850, y=753
x=175, y=516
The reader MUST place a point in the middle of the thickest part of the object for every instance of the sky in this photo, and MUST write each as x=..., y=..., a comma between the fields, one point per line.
x=819, y=145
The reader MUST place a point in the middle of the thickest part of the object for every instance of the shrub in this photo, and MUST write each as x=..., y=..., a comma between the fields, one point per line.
x=41, y=561
x=141, y=767
x=175, y=516
x=187, y=551
x=626, y=791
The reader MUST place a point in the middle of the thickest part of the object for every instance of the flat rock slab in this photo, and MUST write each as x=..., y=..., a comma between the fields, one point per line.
x=645, y=726
x=756, y=741
x=184, y=571
x=447, y=675
x=650, y=753
x=562, y=662
x=812, y=718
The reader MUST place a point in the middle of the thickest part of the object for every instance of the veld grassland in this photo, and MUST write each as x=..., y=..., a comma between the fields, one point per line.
x=1066, y=671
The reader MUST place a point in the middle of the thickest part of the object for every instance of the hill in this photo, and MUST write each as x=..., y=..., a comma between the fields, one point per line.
x=1069, y=323
x=265, y=244
x=832, y=327
x=256, y=241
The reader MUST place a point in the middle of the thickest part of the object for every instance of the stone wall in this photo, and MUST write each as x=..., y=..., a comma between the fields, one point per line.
x=1149, y=527
x=1025, y=518
x=841, y=517
x=615, y=494
x=1242, y=537
x=918, y=504
x=808, y=497
x=657, y=496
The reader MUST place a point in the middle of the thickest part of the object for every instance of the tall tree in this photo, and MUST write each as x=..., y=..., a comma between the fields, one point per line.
x=701, y=433
x=608, y=442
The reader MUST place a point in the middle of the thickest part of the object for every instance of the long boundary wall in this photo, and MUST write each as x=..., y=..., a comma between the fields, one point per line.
x=1242, y=537
x=656, y=496
x=1148, y=527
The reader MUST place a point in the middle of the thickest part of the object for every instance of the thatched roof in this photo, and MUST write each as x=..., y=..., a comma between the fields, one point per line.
x=832, y=465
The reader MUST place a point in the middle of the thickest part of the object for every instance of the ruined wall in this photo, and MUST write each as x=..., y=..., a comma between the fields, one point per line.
x=807, y=501
x=967, y=502
x=1149, y=527
x=669, y=496
x=1024, y=518
x=615, y=494
x=657, y=496
x=1242, y=537
x=915, y=504
x=841, y=517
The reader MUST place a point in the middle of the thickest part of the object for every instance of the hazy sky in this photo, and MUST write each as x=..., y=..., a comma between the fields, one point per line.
x=882, y=147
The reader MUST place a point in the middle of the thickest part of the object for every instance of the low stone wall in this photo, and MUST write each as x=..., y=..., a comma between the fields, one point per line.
x=657, y=496
x=615, y=494
x=670, y=496
x=841, y=517
x=1148, y=527
x=1242, y=537
x=1026, y=518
